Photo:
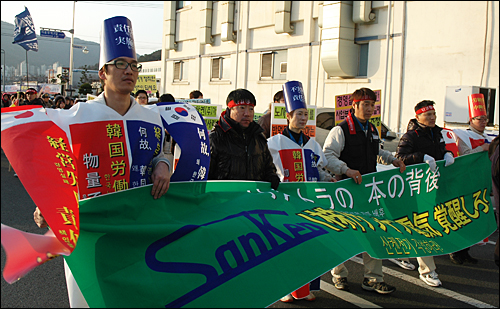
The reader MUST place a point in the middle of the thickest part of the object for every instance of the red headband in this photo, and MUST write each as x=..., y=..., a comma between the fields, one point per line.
x=364, y=98
x=231, y=103
x=424, y=109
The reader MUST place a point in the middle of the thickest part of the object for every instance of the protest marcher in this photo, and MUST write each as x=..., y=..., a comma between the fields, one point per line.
x=421, y=143
x=69, y=102
x=18, y=99
x=284, y=148
x=238, y=149
x=118, y=72
x=469, y=141
x=495, y=177
x=167, y=97
x=59, y=102
x=31, y=98
x=6, y=101
x=46, y=100
x=196, y=94
x=352, y=149
x=141, y=96
x=265, y=120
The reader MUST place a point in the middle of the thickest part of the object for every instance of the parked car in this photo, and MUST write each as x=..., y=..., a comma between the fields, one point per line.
x=325, y=121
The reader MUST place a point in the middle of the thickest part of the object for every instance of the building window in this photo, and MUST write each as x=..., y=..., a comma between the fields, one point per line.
x=363, y=60
x=182, y=4
x=221, y=68
x=177, y=70
x=273, y=65
x=181, y=70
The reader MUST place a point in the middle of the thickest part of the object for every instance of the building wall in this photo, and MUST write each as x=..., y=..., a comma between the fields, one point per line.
x=432, y=45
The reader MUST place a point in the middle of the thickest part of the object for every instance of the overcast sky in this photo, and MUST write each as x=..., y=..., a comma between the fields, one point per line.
x=146, y=18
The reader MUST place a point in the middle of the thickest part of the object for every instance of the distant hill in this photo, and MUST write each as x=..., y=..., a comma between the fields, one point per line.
x=154, y=56
x=50, y=50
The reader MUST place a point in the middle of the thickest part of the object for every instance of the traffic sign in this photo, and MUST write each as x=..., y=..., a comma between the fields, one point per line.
x=52, y=34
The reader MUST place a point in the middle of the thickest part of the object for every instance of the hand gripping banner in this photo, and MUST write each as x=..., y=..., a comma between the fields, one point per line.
x=58, y=154
x=207, y=244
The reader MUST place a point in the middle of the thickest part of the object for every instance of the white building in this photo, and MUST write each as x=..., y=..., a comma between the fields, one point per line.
x=153, y=68
x=333, y=48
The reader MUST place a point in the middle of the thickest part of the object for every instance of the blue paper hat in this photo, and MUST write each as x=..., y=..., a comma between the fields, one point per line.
x=117, y=40
x=294, y=95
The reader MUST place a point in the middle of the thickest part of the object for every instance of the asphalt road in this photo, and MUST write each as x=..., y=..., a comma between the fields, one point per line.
x=464, y=286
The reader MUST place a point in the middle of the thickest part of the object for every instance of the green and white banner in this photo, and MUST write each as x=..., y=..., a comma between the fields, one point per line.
x=242, y=244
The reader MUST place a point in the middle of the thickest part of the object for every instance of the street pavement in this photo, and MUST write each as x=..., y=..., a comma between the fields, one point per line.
x=464, y=286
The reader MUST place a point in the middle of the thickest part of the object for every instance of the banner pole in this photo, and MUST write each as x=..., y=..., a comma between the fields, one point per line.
x=27, y=69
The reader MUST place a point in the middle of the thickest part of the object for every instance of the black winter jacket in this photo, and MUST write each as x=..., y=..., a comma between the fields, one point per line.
x=419, y=141
x=240, y=154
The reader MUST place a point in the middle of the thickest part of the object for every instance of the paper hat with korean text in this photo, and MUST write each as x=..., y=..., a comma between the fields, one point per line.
x=477, y=107
x=117, y=40
x=294, y=95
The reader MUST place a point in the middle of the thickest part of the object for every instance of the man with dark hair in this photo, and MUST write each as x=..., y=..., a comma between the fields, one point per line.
x=265, y=120
x=421, y=143
x=118, y=72
x=352, y=149
x=46, y=100
x=31, y=98
x=238, y=149
x=196, y=94
x=141, y=96
x=167, y=97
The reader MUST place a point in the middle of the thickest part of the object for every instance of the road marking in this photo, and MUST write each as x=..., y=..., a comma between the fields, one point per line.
x=440, y=290
x=348, y=297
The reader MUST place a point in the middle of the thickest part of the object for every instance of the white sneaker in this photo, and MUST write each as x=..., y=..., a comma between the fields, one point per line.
x=403, y=264
x=15, y=175
x=310, y=297
x=431, y=279
x=287, y=299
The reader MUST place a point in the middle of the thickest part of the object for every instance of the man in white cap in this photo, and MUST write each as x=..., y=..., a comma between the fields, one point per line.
x=116, y=141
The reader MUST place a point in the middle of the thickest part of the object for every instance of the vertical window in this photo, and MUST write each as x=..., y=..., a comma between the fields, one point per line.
x=266, y=67
x=216, y=68
x=177, y=70
x=363, y=60
x=221, y=68
x=274, y=65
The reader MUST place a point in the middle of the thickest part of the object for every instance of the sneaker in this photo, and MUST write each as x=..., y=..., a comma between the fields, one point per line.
x=15, y=175
x=341, y=283
x=403, y=264
x=287, y=299
x=467, y=258
x=431, y=279
x=379, y=287
x=310, y=297
x=456, y=259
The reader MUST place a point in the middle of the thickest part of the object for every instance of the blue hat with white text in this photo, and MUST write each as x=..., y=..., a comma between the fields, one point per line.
x=294, y=95
x=117, y=40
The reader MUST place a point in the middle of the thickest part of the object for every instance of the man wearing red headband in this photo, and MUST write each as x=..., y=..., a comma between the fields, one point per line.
x=31, y=98
x=421, y=143
x=238, y=147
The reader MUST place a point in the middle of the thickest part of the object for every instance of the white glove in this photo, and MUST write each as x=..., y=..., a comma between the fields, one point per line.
x=449, y=159
x=432, y=163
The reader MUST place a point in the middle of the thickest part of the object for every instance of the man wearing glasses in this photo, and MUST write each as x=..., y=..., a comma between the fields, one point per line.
x=123, y=138
x=141, y=96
